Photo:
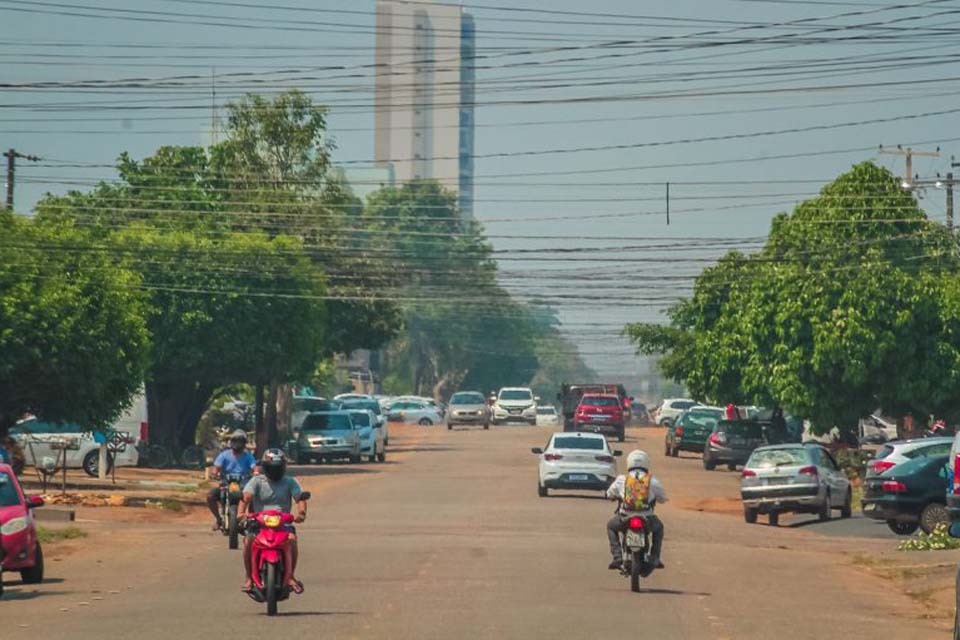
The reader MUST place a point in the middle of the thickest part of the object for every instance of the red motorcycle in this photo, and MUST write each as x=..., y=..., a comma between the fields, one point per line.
x=267, y=556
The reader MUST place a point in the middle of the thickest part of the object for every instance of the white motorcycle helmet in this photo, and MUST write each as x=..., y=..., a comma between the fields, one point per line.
x=639, y=459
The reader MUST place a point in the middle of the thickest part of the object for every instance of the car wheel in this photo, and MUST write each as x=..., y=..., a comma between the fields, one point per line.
x=774, y=518
x=373, y=454
x=382, y=456
x=750, y=515
x=731, y=466
x=933, y=516
x=709, y=464
x=91, y=463
x=826, y=509
x=621, y=435
x=847, y=509
x=902, y=528
x=666, y=449
x=355, y=458
x=667, y=422
x=449, y=426
x=425, y=422
x=486, y=426
x=541, y=490
x=34, y=575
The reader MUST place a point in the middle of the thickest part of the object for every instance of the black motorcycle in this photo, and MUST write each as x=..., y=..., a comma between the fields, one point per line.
x=231, y=491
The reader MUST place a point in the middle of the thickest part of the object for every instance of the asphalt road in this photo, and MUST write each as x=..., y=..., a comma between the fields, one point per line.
x=449, y=539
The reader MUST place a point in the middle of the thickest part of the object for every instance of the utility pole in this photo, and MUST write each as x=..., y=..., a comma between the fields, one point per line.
x=909, y=153
x=12, y=156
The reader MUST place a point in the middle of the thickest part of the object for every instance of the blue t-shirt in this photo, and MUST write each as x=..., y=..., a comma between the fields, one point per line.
x=4, y=456
x=232, y=464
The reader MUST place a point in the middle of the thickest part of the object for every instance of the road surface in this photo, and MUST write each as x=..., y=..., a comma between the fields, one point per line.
x=448, y=539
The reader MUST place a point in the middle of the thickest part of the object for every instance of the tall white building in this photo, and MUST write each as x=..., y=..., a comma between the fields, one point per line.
x=425, y=95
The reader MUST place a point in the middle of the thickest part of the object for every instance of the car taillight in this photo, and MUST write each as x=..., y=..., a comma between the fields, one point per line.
x=893, y=486
x=747, y=473
x=879, y=466
x=808, y=471
x=605, y=459
x=678, y=431
x=552, y=456
x=144, y=431
x=635, y=523
x=718, y=438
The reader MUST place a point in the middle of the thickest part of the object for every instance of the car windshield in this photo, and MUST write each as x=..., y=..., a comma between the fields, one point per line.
x=313, y=404
x=546, y=411
x=406, y=405
x=467, y=398
x=516, y=394
x=701, y=418
x=573, y=442
x=369, y=405
x=326, y=422
x=8, y=492
x=682, y=404
x=600, y=401
x=360, y=419
x=778, y=458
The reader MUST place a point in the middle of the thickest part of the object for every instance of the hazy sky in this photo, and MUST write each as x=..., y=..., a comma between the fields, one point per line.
x=724, y=55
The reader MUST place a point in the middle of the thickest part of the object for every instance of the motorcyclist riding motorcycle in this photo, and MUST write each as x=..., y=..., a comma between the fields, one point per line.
x=638, y=466
x=272, y=491
x=233, y=461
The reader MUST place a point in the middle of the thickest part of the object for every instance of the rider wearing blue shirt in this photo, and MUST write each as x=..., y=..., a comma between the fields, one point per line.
x=233, y=461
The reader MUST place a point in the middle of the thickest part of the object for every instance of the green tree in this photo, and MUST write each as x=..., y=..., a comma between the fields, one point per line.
x=73, y=339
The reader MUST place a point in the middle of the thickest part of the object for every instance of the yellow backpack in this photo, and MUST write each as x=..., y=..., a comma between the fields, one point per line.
x=636, y=492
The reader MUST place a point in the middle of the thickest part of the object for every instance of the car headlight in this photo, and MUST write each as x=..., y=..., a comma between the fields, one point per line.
x=14, y=525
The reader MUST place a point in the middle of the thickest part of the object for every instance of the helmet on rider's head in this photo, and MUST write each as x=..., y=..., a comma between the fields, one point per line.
x=639, y=459
x=274, y=464
x=238, y=440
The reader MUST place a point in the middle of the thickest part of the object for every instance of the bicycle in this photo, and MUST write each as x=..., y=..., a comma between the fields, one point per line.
x=157, y=456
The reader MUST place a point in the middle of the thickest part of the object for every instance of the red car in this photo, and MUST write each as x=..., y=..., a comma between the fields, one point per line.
x=600, y=413
x=19, y=547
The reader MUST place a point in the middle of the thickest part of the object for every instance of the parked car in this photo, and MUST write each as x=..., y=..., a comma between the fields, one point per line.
x=369, y=404
x=672, y=408
x=899, y=451
x=692, y=429
x=515, y=404
x=912, y=494
x=576, y=461
x=40, y=440
x=329, y=435
x=20, y=550
x=468, y=408
x=547, y=416
x=731, y=442
x=371, y=434
x=600, y=413
x=799, y=478
x=302, y=406
x=639, y=413
x=953, y=490
x=414, y=412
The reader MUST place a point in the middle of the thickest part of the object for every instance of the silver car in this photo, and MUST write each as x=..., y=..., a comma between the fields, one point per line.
x=329, y=435
x=899, y=451
x=468, y=407
x=799, y=478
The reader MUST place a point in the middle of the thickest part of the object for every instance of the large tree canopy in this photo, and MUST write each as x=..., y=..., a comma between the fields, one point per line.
x=844, y=310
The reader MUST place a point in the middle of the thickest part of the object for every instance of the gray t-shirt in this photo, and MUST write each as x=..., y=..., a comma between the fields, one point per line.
x=272, y=496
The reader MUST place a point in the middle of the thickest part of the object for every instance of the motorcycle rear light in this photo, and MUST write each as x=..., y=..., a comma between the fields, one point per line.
x=808, y=471
x=552, y=456
x=893, y=486
x=607, y=459
x=879, y=466
x=747, y=473
x=635, y=523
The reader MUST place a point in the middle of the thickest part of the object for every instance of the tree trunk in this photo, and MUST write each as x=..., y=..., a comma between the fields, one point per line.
x=260, y=436
x=284, y=409
x=273, y=437
x=173, y=410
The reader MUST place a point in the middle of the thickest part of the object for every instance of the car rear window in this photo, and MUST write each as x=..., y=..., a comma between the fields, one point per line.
x=884, y=452
x=8, y=492
x=546, y=411
x=778, y=458
x=940, y=449
x=600, y=401
x=742, y=429
x=369, y=405
x=916, y=464
x=682, y=404
x=593, y=444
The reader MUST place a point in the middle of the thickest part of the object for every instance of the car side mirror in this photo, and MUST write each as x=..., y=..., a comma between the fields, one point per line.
x=305, y=495
x=34, y=501
x=618, y=453
x=536, y=450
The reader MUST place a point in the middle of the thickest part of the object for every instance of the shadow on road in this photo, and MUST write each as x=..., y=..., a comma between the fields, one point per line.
x=309, y=614
x=578, y=496
x=332, y=470
x=673, y=592
x=20, y=594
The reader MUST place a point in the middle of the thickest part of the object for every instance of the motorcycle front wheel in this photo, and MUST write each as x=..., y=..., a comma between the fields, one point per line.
x=271, y=589
x=635, y=572
x=233, y=527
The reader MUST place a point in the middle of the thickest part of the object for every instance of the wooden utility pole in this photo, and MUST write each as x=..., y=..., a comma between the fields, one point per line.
x=12, y=156
x=908, y=153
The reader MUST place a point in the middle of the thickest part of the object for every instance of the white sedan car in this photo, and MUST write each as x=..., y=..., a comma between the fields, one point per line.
x=547, y=416
x=576, y=461
x=372, y=442
x=414, y=412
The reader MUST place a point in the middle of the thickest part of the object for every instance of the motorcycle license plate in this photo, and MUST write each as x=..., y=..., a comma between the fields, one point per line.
x=579, y=477
x=635, y=540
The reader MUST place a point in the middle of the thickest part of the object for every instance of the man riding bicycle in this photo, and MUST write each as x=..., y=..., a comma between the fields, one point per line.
x=233, y=461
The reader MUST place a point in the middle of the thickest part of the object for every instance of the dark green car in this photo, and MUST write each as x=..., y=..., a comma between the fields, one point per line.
x=692, y=430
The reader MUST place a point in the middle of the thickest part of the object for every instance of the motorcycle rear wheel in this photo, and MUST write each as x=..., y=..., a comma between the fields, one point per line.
x=233, y=527
x=635, y=572
x=271, y=589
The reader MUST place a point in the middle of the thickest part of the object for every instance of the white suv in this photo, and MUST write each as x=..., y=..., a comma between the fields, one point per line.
x=515, y=404
x=671, y=409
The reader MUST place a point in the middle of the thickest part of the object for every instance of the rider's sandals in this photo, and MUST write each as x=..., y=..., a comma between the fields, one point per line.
x=297, y=586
